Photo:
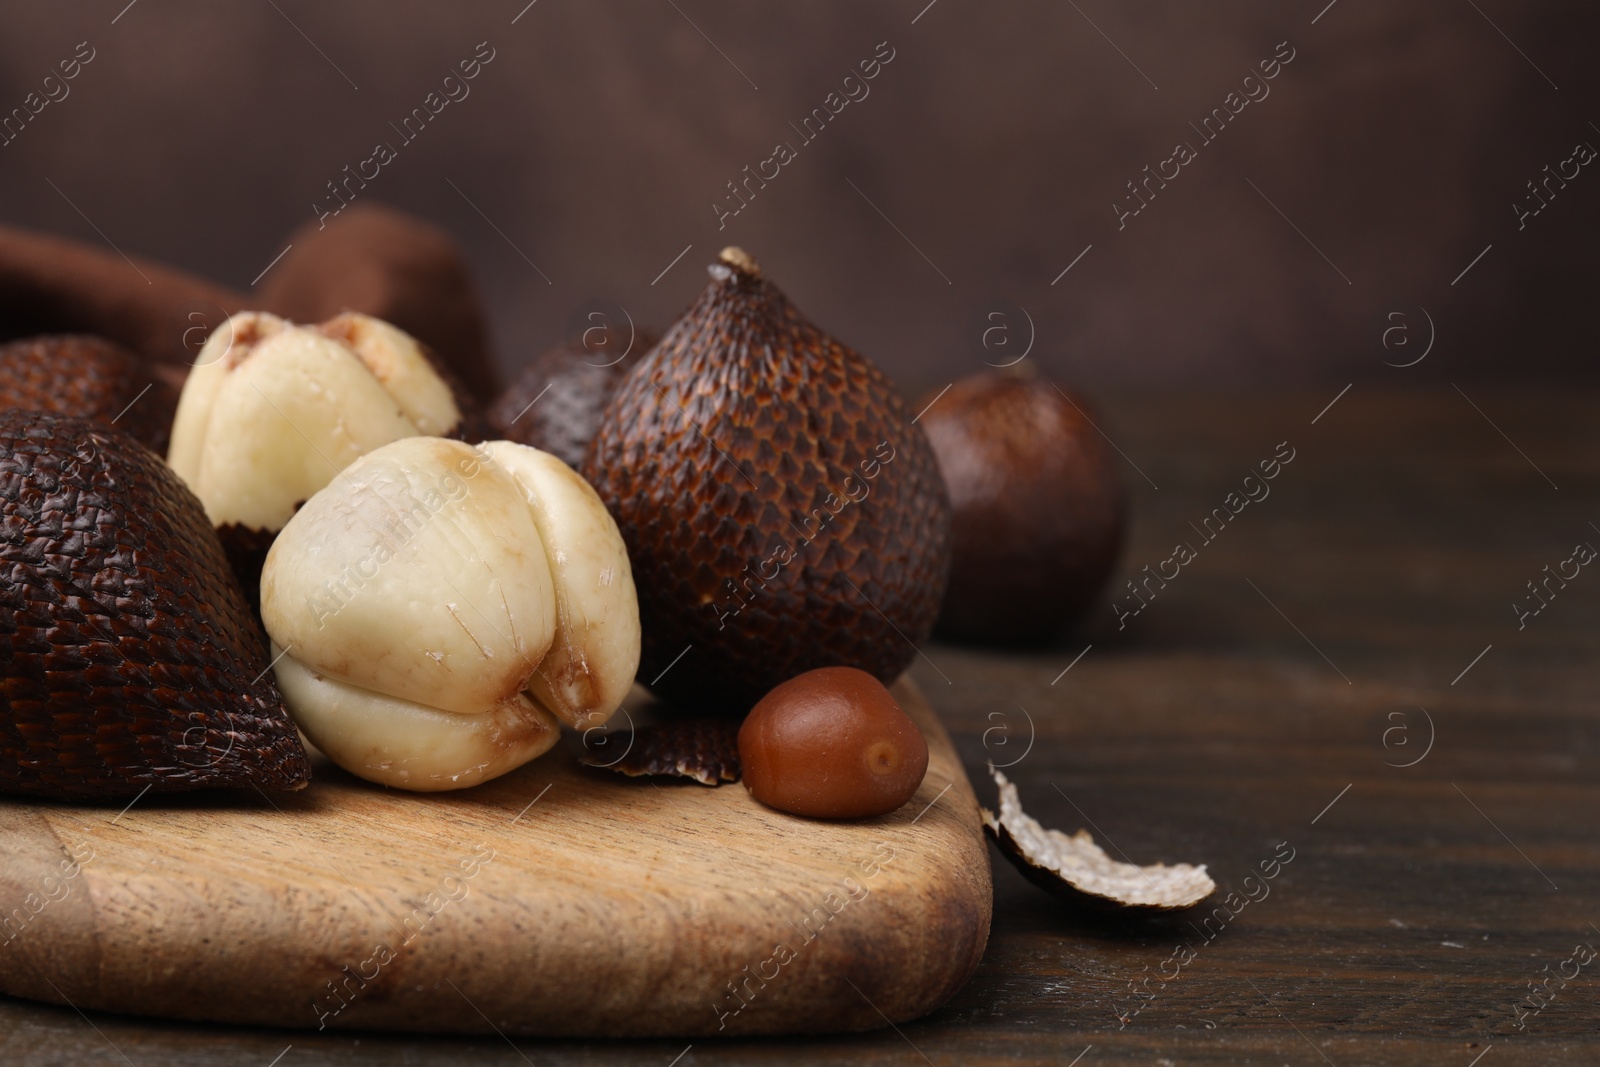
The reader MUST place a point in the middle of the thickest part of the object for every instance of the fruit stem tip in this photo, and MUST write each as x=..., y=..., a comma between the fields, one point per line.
x=739, y=260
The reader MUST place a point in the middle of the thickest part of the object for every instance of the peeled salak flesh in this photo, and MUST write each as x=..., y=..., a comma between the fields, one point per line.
x=272, y=412
x=439, y=610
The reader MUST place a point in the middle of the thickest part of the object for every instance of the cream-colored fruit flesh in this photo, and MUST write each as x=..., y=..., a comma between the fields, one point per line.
x=441, y=609
x=595, y=653
x=232, y=343
x=283, y=424
x=408, y=745
x=395, y=358
x=272, y=411
x=419, y=575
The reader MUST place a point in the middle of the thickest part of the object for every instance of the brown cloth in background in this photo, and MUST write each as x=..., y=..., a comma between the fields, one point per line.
x=370, y=259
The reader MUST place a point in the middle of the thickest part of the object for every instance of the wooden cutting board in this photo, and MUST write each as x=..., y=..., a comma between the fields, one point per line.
x=558, y=900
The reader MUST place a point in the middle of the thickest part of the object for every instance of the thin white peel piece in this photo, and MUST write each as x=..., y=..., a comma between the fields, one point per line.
x=1080, y=865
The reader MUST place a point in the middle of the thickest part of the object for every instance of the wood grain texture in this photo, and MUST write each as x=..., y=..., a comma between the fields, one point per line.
x=1407, y=926
x=559, y=900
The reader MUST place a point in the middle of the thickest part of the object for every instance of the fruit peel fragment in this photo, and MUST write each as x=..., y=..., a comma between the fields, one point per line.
x=1076, y=869
x=706, y=750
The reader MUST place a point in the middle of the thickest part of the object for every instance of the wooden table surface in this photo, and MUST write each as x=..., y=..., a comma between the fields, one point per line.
x=1262, y=706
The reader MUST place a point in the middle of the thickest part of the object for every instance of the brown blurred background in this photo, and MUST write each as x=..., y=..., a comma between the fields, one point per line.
x=991, y=149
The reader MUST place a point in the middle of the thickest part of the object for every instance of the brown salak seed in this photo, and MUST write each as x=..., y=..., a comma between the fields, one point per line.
x=128, y=659
x=831, y=743
x=90, y=377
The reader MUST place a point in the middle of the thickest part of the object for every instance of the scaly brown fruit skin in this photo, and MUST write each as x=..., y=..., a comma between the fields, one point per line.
x=706, y=750
x=127, y=656
x=734, y=438
x=246, y=549
x=91, y=378
x=557, y=402
x=1038, y=508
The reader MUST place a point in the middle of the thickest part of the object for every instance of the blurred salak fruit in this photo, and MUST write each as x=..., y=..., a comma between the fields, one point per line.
x=1038, y=508
x=90, y=377
x=556, y=403
x=781, y=510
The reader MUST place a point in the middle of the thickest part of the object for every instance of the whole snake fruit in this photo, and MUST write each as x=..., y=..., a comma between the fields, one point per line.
x=128, y=659
x=781, y=509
